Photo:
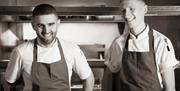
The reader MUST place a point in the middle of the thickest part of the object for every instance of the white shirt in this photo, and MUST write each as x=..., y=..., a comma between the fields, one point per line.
x=163, y=49
x=22, y=57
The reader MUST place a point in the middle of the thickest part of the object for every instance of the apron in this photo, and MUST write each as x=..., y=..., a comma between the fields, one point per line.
x=110, y=81
x=139, y=72
x=50, y=77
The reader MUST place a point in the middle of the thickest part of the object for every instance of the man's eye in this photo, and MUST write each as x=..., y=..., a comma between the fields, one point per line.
x=50, y=24
x=39, y=25
x=132, y=9
x=123, y=11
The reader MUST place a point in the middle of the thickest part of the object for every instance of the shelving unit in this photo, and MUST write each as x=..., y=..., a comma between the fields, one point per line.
x=153, y=10
x=163, y=11
x=23, y=13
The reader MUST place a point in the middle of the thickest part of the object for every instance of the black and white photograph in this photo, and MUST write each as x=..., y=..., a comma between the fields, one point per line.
x=89, y=45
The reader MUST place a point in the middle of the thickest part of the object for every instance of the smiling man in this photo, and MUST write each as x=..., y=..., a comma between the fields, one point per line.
x=46, y=28
x=141, y=57
x=46, y=62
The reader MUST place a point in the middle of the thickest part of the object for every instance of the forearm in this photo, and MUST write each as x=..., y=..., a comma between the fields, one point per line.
x=168, y=79
x=88, y=83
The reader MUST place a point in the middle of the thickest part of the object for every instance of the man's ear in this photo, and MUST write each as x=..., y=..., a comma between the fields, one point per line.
x=33, y=26
x=59, y=21
x=145, y=9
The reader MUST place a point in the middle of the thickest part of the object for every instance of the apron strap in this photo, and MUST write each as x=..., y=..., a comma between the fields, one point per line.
x=35, y=54
x=60, y=49
x=35, y=50
x=34, y=86
x=151, y=45
x=127, y=43
x=151, y=40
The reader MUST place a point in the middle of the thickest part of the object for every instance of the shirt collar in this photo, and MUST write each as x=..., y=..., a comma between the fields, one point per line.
x=54, y=44
x=142, y=35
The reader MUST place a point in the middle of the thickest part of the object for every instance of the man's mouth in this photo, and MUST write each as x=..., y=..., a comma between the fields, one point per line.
x=130, y=19
x=47, y=34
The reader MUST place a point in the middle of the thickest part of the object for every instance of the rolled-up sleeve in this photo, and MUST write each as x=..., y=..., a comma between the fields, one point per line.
x=13, y=69
x=166, y=55
x=81, y=66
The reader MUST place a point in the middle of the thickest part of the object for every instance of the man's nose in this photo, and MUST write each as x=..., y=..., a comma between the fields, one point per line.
x=46, y=29
x=127, y=13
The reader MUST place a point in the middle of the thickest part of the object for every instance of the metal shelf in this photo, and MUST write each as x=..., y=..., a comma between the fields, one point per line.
x=23, y=13
x=163, y=11
x=153, y=10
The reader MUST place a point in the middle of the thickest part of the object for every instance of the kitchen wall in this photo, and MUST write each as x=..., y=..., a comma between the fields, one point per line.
x=81, y=33
x=169, y=26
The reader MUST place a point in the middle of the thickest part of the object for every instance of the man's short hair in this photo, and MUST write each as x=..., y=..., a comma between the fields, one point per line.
x=43, y=9
x=144, y=1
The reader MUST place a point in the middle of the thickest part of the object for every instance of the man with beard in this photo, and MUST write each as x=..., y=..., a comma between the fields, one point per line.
x=46, y=62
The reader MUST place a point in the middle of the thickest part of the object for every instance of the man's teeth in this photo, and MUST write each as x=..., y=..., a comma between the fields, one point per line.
x=48, y=34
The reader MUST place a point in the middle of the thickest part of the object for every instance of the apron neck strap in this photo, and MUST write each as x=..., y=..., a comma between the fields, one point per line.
x=35, y=54
x=151, y=40
x=35, y=50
